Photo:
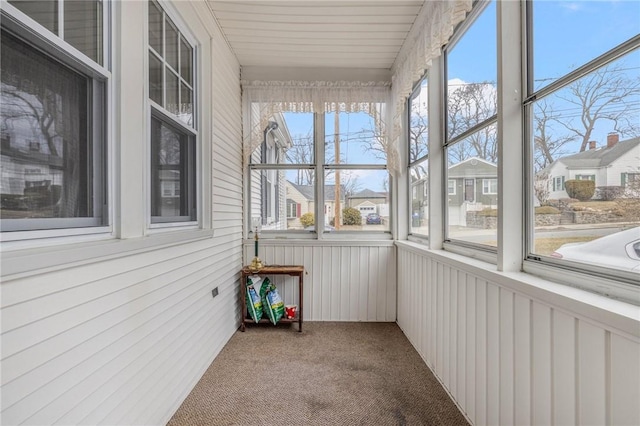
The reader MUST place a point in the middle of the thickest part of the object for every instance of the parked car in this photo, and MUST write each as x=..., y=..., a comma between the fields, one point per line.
x=374, y=219
x=620, y=251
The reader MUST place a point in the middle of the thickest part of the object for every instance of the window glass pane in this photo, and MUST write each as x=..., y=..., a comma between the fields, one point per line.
x=472, y=214
x=155, y=27
x=419, y=175
x=279, y=203
x=173, y=173
x=567, y=34
x=171, y=44
x=47, y=169
x=44, y=12
x=288, y=139
x=83, y=27
x=173, y=88
x=186, y=60
x=186, y=104
x=418, y=123
x=355, y=138
x=586, y=171
x=472, y=75
x=360, y=196
x=155, y=79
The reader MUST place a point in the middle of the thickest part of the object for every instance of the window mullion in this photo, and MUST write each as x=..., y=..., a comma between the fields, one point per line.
x=318, y=144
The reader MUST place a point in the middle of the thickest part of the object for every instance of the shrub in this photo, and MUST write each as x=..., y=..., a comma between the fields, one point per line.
x=546, y=210
x=307, y=219
x=351, y=216
x=583, y=190
x=610, y=193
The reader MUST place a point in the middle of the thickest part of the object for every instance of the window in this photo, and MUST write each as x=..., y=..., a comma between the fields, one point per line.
x=355, y=174
x=283, y=174
x=53, y=104
x=489, y=186
x=451, y=187
x=578, y=100
x=558, y=183
x=418, y=158
x=586, y=177
x=81, y=24
x=173, y=134
x=471, y=148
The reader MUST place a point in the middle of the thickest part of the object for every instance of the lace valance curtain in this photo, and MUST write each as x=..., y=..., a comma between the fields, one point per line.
x=266, y=98
x=436, y=27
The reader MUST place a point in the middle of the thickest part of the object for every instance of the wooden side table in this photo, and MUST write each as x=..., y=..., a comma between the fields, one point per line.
x=292, y=270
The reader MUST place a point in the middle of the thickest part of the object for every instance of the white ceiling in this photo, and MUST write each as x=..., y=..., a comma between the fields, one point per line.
x=316, y=33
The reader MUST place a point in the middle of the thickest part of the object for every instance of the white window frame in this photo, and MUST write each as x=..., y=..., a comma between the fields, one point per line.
x=487, y=184
x=424, y=159
x=609, y=281
x=59, y=50
x=170, y=119
x=450, y=187
x=319, y=166
x=486, y=252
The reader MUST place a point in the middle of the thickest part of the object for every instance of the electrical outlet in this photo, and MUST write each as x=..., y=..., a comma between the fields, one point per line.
x=214, y=292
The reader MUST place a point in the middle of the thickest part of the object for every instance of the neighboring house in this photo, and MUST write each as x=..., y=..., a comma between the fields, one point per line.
x=472, y=186
x=617, y=164
x=420, y=201
x=268, y=186
x=301, y=200
x=368, y=201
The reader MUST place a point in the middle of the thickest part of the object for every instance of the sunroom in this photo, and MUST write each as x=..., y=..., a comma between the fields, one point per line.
x=467, y=170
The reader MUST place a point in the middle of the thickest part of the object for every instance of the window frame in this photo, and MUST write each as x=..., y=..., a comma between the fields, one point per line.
x=412, y=163
x=609, y=281
x=487, y=183
x=173, y=121
x=99, y=98
x=319, y=167
x=486, y=252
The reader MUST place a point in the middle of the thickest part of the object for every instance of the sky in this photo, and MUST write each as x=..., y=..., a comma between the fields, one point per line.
x=566, y=34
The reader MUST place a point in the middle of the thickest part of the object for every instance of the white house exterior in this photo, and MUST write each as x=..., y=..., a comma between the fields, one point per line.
x=616, y=164
x=108, y=316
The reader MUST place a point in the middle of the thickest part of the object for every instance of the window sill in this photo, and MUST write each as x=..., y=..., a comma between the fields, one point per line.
x=25, y=262
x=617, y=314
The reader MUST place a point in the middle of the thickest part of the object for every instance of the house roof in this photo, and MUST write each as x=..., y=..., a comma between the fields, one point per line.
x=473, y=167
x=595, y=158
x=367, y=193
x=308, y=191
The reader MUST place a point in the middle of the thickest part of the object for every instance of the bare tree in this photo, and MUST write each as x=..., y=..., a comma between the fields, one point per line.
x=548, y=146
x=469, y=105
x=607, y=94
x=301, y=152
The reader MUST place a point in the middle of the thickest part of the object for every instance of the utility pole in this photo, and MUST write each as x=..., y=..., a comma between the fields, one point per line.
x=336, y=210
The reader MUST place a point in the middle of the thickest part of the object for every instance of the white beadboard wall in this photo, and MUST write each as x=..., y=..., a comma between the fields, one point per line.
x=344, y=280
x=508, y=357
x=123, y=339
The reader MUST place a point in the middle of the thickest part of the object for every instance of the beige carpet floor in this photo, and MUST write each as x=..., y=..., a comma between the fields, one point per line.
x=330, y=374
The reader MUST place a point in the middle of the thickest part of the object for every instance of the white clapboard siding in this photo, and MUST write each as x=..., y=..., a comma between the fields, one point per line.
x=343, y=281
x=507, y=357
x=123, y=339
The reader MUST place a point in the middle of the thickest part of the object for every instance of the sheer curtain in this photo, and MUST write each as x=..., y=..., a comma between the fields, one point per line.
x=435, y=24
x=266, y=98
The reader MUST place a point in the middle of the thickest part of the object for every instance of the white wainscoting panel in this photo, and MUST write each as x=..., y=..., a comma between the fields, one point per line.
x=344, y=281
x=508, y=357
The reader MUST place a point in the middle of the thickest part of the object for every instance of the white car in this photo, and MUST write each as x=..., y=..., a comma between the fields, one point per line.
x=620, y=251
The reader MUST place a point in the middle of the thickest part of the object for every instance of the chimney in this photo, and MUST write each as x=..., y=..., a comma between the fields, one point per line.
x=592, y=145
x=612, y=139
